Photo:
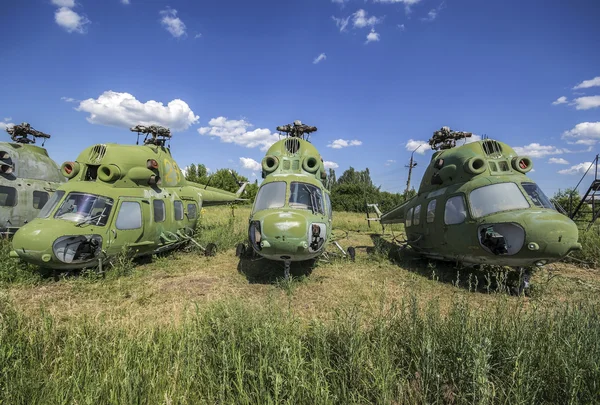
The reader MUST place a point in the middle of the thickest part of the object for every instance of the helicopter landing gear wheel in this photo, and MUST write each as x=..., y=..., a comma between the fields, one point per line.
x=286, y=269
x=351, y=253
x=211, y=250
x=240, y=250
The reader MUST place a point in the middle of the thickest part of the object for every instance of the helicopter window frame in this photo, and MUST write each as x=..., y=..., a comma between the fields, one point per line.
x=40, y=198
x=481, y=204
x=51, y=205
x=431, y=206
x=155, y=208
x=266, y=199
x=130, y=220
x=537, y=196
x=10, y=196
x=318, y=197
x=80, y=201
x=408, y=220
x=192, y=211
x=459, y=212
x=178, y=210
x=417, y=215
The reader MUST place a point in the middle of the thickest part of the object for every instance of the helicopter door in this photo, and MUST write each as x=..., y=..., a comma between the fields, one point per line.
x=127, y=228
x=456, y=235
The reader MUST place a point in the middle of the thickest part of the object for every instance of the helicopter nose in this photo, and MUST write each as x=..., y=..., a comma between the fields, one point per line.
x=30, y=244
x=552, y=235
x=278, y=234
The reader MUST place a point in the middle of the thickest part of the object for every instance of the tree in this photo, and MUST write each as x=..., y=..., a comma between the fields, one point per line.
x=221, y=179
x=569, y=200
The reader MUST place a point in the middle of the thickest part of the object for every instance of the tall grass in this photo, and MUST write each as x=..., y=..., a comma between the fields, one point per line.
x=235, y=354
x=589, y=254
x=13, y=270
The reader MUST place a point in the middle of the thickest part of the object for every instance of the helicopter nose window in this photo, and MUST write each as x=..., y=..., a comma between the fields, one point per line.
x=270, y=195
x=85, y=208
x=496, y=198
x=306, y=196
x=51, y=204
x=8, y=196
x=455, y=211
x=537, y=196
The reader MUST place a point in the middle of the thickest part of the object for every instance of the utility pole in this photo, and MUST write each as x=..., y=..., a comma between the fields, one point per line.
x=410, y=167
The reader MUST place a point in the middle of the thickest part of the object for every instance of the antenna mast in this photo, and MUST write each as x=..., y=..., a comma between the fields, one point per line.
x=410, y=166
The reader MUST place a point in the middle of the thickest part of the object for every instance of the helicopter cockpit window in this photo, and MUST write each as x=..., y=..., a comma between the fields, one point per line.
x=455, y=212
x=159, y=210
x=431, y=211
x=306, y=196
x=51, y=204
x=496, y=198
x=8, y=196
x=408, y=219
x=40, y=198
x=270, y=195
x=85, y=208
x=417, y=215
x=537, y=196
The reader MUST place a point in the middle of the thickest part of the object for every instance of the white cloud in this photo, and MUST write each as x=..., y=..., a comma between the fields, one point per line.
x=433, y=13
x=560, y=100
x=125, y=1
x=412, y=144
x=236, y=131
x=535, y=150
x=407, y=3
x=7, y=119
x=372, y=36
x=340, y=1
x=124, y=110
x=390, y=162
x=581, y=168
x=341, y=23
x=401, y=27
x=251, y=164
x=68, y=99
x=558, y=161
x=64, y=3
x=586, y=84
x=70, y=20
x=585, y=103
x=172, y=23
x=330, y=165
x=320, y=58
x=197, y=36
x=361, y=20
x=585, y=133
x=342, y=143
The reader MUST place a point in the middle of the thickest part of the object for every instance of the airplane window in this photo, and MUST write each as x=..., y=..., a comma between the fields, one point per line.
x=130, y=216
x=431, y=211
x=8, y=196
x=178, y=208
x=417, y=215
x=455, y=212
x=409, y=214
x=496, y=198
x=192, y=211
x=270, y=195
x=306, y=196
x=159, y=210
x=40, y=198
x=51, y=204
x=537, y=196
x=85, y=208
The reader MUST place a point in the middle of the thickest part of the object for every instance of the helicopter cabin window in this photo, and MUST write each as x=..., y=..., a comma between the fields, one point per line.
x=496, y=198
x=306, y=196
x=270, y=195
x=85, y=209
x=8, y=196
x=417, y=215
x=159, y=210
x=192, y=211
x=431, y=211
x=178, y=209
x=40, y=198
x=51, y=204
x=130, y=216
x=455, y=212
x=409, y=215
x=537, y=196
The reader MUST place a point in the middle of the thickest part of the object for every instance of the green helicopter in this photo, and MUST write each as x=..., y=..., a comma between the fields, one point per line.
x=28, y=177
x=117, y=197
x=291, y=218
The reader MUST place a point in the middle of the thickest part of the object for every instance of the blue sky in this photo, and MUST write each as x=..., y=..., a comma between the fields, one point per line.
x=224, y=74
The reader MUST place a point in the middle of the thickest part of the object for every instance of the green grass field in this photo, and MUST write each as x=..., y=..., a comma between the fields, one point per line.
x=187, y=329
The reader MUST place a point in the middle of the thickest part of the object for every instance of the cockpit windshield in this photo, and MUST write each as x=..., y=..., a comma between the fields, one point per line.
x=85, y=209
x=51, y=204
x=270, y=195
x=306, y=196
x=496, y=198
x=537, y=196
